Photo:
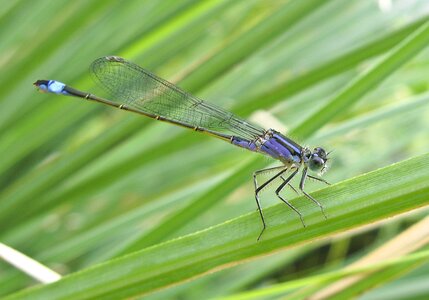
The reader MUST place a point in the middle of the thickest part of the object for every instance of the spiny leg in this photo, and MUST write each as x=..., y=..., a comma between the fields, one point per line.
x=301, y=187
x=318, y=179
x=259, y=188
x=290, y=185
x=259, y=172
x=280, y=188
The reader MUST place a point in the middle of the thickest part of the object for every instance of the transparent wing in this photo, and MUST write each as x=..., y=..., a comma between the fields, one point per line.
x=132, y=85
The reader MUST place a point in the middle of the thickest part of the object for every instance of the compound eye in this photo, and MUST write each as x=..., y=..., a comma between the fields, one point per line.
x=320, y=152
x=316, y=163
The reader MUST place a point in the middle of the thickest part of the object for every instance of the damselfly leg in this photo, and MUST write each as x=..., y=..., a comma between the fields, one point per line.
x=280, y=188
x=318, y=179
x=259, y=188
x=286, y=182
x=301, y=187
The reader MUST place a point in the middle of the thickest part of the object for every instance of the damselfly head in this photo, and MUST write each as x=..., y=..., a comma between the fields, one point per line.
x=317, y=159
x=42, y=85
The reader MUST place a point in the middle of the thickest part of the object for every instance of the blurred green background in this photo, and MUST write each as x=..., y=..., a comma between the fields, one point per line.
x=80, y=182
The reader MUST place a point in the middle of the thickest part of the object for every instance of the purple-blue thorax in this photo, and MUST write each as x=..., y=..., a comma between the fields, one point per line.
x=273, y=144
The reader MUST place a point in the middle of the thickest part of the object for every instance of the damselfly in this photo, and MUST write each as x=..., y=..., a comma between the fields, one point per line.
x=137, y=90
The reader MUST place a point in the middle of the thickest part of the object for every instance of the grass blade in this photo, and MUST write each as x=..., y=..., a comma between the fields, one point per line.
x=406, y=50
x=351, y=203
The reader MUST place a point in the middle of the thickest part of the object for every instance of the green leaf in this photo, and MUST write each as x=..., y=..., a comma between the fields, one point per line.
x=362, y=200
x=402, y=53
x=275, y=290
x=251, y=41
